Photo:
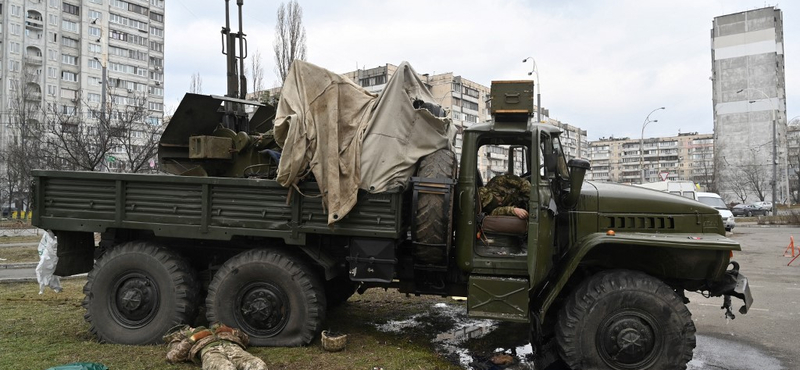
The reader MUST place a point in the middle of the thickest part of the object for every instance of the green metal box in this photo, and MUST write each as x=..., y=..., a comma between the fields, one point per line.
x=512, y=97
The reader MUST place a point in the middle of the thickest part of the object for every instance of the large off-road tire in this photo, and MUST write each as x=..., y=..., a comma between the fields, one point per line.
x=431, y=220
x=625, y=319
x=274, y=298
x=137, y=291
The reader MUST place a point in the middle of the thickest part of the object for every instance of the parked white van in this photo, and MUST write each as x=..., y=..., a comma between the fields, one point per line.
x=685, y=189
x=714, y=200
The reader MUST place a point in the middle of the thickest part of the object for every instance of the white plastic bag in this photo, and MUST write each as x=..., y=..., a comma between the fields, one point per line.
x=47, y=263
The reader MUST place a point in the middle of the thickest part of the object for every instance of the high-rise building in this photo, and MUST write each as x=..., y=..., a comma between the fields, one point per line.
x=79, y=53
x=749, y=99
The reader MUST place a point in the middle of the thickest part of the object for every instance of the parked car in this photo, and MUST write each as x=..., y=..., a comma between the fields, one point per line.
x=714, y=200
x=766, y=206
x=748, y=210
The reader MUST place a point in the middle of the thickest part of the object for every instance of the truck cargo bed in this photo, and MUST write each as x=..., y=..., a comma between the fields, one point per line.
x=202, y=207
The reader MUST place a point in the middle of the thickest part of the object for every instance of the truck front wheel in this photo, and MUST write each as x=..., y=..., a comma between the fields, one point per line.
x=137, y=291
x=623, y=320
x=274, y=298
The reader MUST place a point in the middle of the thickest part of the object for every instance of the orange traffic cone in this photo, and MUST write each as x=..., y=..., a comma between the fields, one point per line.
x=791, y=246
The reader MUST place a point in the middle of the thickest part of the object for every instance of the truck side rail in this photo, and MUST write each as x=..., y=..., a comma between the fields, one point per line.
x=201, y=207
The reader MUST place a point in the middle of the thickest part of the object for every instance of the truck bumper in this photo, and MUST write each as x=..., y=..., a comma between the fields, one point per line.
x=735, y=285
x=742, y=291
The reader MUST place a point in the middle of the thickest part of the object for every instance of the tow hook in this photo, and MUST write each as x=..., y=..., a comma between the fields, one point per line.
x=741, y=290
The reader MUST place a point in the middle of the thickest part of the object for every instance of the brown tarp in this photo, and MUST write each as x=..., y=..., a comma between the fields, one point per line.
x=350, y=138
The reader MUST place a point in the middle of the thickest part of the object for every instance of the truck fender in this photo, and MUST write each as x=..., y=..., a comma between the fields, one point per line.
x=570, y=262
x=551, y=289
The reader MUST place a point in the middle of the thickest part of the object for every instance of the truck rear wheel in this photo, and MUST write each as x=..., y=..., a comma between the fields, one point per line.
x=274, y=298
x=137, y=291
x=431, y=226
x=624, y=320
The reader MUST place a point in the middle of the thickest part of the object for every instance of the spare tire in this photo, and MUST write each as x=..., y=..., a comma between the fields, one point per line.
x=431, y=222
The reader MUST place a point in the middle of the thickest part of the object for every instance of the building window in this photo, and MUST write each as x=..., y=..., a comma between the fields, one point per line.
x=137, y=9
x=96, y=1
x=157, y=62
x=93, y=98
x=157, y=17
x=71, y=9
x=69, y=26
x=52, y=72
x=94, y=64
x=16, y=10
x=155, y=31
x=157, y=46
x=70, y=42
x=52, y=19
x=95, y=81
x=51, y=90
x=69, y=59
x=155, y=105
x=95, y=31
x=16, y=29
x=95, y=15
x=14, y=47
x=95, y=48
x=69, y=76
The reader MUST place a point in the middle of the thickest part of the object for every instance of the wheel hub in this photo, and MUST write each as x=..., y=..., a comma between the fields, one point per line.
x=628, y=340
x=263, y=308
x=135, y=301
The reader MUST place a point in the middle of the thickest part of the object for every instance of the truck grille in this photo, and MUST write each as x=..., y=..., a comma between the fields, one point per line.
x=640, y=222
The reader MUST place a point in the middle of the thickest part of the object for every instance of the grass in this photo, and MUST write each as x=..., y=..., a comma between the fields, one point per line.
x=5, y=239
x=42, y=331
x=19, y=254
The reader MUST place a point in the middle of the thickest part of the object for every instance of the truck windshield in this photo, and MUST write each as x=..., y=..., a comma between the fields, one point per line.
x=713, y=202
x=561, y=164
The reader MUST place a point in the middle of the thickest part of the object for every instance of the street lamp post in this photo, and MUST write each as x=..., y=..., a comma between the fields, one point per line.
x=641, y=143
x=774, y=148
x=535, y=69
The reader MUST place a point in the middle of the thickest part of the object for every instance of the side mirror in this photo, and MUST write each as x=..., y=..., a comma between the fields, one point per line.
x=577, y=171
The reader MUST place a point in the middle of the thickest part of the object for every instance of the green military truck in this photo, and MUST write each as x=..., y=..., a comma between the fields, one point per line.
x=598, y=270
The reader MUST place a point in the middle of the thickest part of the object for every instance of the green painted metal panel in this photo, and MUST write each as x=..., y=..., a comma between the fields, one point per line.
x=499, y=298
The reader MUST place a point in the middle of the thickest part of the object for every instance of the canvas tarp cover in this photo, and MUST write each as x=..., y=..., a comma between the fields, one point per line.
x=350, y=138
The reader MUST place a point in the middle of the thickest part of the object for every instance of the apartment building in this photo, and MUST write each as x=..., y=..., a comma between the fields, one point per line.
x=77, y=54
x=687, y=156
x=749, y=95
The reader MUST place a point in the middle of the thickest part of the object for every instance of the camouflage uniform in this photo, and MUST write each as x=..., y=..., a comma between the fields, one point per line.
x=217, y=348
x=504, y=193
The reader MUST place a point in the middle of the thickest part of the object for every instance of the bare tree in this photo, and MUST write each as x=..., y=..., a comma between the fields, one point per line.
x=136, y=134
x=290, y=38
x=738, y=184
x=256, y=72
x=755, y=175
x=75, y=142
x=21, y=155
x=196, y=84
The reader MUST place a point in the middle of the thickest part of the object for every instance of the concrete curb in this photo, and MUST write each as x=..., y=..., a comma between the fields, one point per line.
x=20, y=265
x=33, y=280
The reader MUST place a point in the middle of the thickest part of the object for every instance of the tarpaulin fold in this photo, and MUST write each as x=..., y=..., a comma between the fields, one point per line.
x=350, y=138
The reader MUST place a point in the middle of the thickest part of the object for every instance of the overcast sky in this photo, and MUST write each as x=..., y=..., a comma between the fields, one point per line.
x=603, y=65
